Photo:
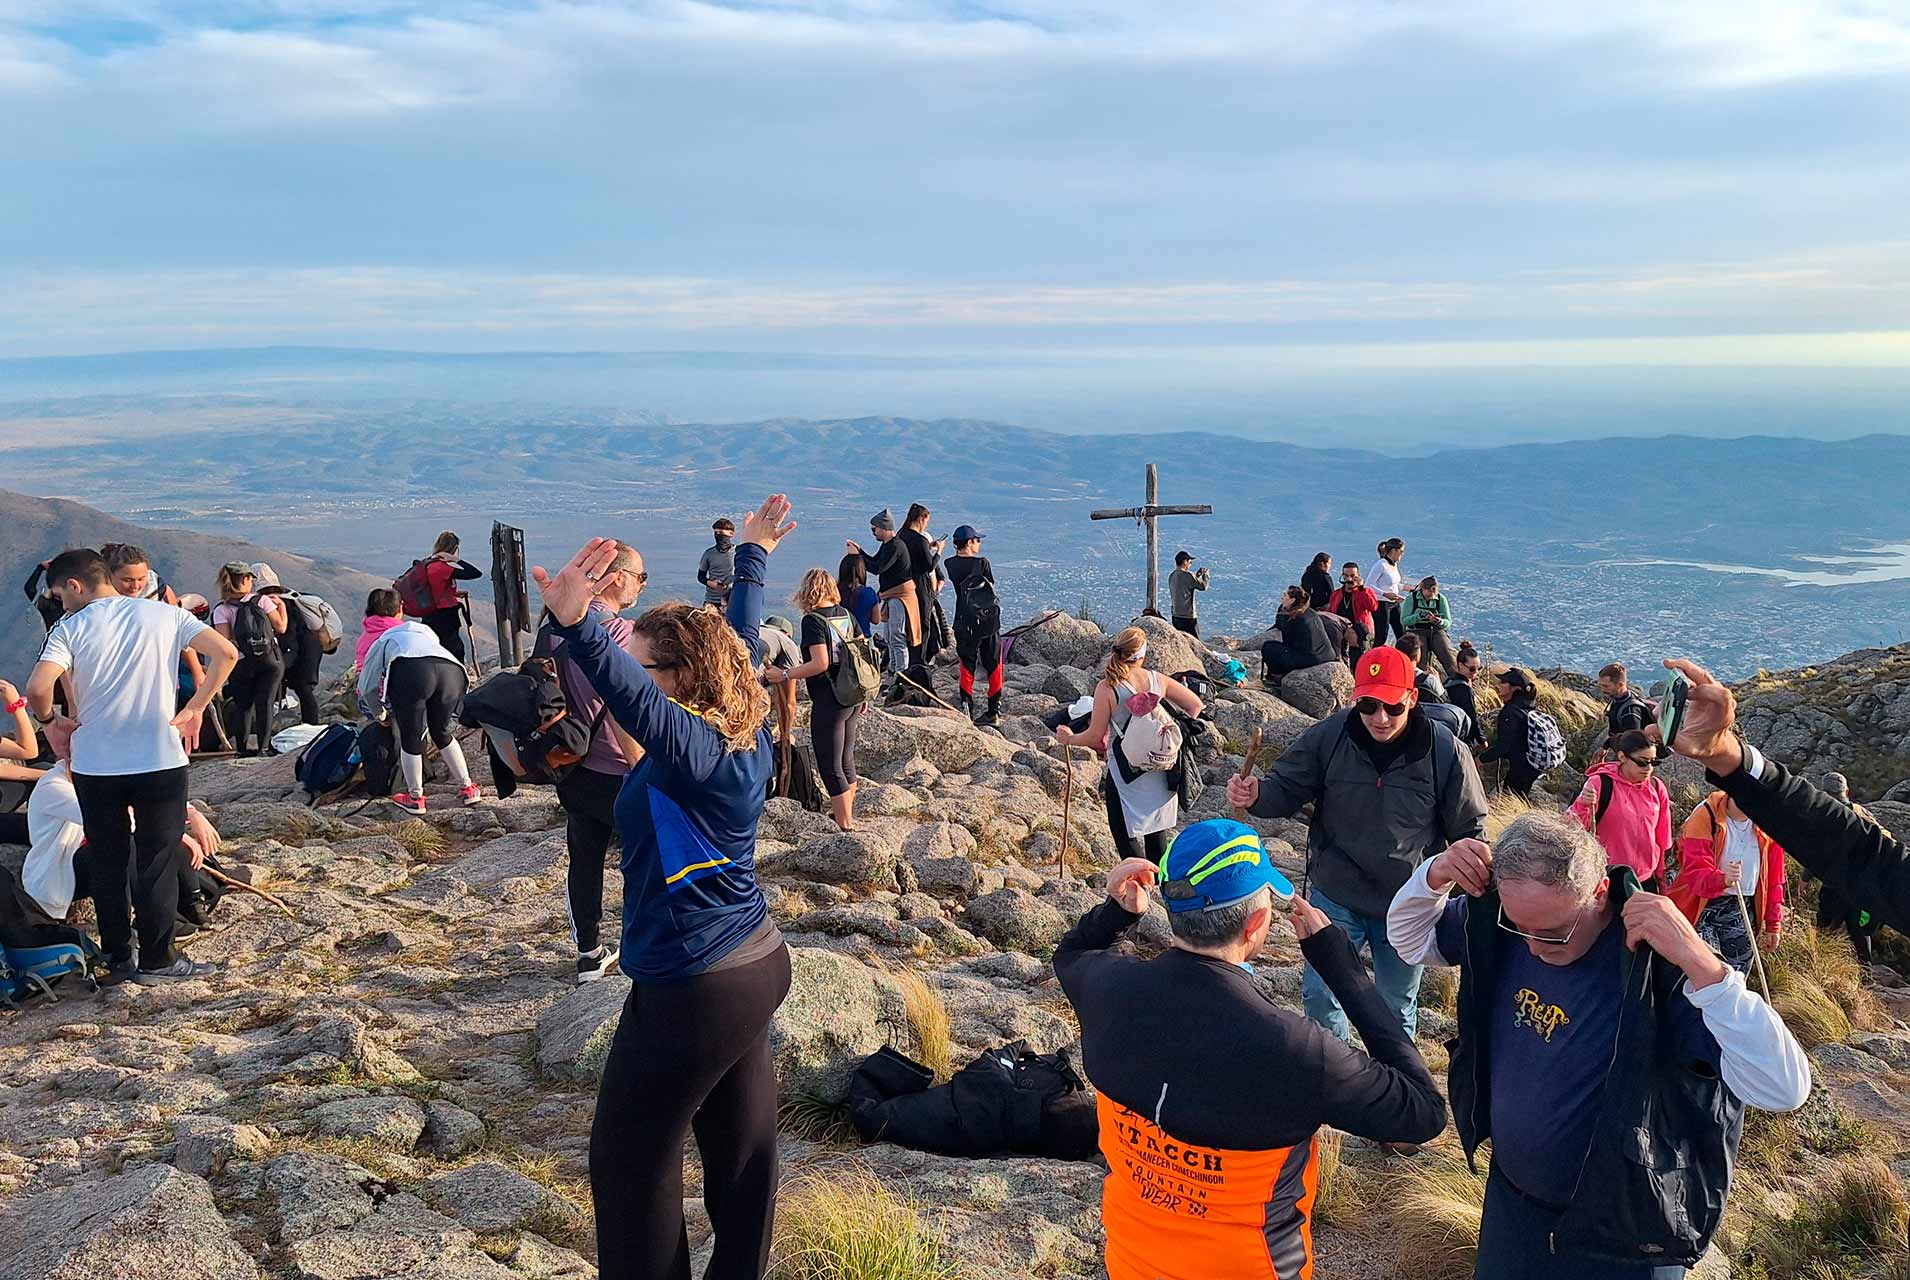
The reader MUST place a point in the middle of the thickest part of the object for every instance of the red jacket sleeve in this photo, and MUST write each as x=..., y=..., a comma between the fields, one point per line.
x=1774, y=908
x=1700, y=879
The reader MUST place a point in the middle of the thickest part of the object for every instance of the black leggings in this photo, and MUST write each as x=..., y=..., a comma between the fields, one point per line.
x=1155, y=843
x=252, y=692
x=301, y=666
x=590, y=817
x=134, y=823
x=1277, y=658
x=421, y=692
x=832, y=735
x=716, y=1079
x=1387, y=615
x=448, y=623
x=1834, y=911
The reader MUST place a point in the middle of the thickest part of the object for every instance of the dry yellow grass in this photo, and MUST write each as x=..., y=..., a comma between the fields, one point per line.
x=1826, y=963
x=1431, y=1209
x=848, y=1226
x=1855, y=1220
x=1501, y=808
x=1346, y=1192
x=928, y=1019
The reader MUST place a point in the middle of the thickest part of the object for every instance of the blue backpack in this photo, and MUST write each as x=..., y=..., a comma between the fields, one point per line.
x=37, y=952
x=329, y=762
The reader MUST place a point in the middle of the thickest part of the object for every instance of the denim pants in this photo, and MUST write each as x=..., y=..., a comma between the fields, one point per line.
x=1396, y=981
x=895, y=635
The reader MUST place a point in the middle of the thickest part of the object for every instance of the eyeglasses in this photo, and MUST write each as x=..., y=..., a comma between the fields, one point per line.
x=1648, y=763
x=1540, y=938
x=1373, y=706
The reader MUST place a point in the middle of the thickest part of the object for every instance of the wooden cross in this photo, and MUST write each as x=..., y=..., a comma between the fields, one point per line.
x=1147, y=516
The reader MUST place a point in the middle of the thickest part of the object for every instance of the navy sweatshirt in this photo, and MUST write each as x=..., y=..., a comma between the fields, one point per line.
x=689, y=811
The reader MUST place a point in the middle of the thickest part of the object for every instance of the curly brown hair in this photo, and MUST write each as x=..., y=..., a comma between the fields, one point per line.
x=719, y=681
x=817, y=591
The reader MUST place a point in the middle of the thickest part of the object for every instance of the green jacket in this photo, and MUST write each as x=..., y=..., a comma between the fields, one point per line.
x=1417, y=611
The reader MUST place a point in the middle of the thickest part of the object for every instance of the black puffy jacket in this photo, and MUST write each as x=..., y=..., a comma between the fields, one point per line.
x=1009, y=1101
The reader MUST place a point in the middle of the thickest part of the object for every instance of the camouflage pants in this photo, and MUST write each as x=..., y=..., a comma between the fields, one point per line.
x=1721, y=925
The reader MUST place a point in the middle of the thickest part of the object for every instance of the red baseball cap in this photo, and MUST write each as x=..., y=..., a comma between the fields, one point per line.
x=1384, y=673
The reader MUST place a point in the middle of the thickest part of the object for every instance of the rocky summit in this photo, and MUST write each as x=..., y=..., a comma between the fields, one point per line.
x=396, y=1077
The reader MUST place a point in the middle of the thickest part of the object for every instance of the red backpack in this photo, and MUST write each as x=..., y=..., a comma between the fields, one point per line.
x=421, y=592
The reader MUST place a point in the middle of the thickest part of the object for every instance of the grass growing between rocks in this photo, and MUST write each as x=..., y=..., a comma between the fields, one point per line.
x=928, y=1019
x=1501, y=808
x=1346, y=1193
x=420, y=839
x=1853, y=1225
x=308, y=824
x=1817, y=984
x=814, y=1118
x=851, y=1227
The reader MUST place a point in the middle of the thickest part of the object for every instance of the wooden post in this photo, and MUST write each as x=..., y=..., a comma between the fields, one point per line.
x=1147, y=516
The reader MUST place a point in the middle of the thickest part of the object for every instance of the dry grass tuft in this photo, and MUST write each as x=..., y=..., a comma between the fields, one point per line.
x=1825, y=961
x=849, y=1226
x=420, y=839
x=816, y=1119
x=1432, y=1210
x=1856, y=1219
x=1501, y=808
x=1346, y=1192
x=928, y=1019
x=1813, y=1017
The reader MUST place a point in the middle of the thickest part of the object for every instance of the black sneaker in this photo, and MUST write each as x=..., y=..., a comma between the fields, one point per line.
x=592, y=965
x=120, y=970
x=180, y=970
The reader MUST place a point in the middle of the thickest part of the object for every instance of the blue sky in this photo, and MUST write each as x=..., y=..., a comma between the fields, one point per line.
x=1326, y=182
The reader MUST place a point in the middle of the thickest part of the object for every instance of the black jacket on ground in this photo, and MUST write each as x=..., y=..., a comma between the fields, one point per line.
x=1009, y=1101
x=1848, y=852
x=1185, y=1038
x=1659, y=1167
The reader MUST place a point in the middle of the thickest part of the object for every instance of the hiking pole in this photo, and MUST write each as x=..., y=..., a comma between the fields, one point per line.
x=906, y=678
x=230, y=883
x=1067, y=807
x=1757, y=960
x=1246, y=768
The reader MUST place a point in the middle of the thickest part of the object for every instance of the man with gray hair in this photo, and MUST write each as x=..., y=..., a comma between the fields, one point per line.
x=1834, y=910
x=1210, y=1095
x=1606, y=1051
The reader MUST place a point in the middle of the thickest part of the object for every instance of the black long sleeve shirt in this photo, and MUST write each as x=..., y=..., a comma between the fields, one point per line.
x=890, y=564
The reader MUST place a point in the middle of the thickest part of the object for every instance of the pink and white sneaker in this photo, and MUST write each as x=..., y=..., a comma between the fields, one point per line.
x=409, y=803
x=469, y=794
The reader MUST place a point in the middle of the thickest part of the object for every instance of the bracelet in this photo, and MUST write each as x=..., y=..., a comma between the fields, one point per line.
x=13, y=708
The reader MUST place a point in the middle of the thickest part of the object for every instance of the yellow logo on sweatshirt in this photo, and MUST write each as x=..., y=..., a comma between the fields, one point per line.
x=1533, y=1012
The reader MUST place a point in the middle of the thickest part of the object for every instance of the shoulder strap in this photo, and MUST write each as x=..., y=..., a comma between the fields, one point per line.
x=1605, y=789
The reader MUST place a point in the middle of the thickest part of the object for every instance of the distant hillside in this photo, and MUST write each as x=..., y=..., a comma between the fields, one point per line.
x=32, y=529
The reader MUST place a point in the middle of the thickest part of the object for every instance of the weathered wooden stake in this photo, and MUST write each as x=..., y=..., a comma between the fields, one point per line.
x=1147, y=515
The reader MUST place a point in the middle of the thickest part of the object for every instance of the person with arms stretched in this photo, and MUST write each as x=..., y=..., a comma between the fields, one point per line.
x=1605, y=1050
x=1199, y=1186
x=127, y=745
x=709, y=965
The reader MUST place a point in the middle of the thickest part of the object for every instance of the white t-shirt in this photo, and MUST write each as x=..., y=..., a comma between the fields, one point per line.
x=123, y=655
x=54, y=825
x=1740, y=848
x=1383, y=578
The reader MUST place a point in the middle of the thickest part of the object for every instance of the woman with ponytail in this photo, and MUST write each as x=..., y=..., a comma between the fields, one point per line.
x=1148, y=807
x=709, y=965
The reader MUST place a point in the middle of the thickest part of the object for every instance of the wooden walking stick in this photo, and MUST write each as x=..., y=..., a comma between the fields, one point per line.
x=906, y=678
x=1750, y=933
x=230, y=883
x=1246, y=767
x=1067, y=806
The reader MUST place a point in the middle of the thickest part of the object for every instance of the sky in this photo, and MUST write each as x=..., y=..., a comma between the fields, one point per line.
x=1321, y=182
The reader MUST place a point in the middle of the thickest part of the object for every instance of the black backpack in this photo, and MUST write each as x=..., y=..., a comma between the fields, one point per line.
x=529, y=705
x=977, y=605
x=252, y=631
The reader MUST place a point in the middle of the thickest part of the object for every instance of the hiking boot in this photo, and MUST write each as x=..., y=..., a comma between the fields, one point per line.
x=991, y=718
x=120, y=970
x=592, y=965
x=469, y=794
x=180, y=970
x=409, y=803
x=966, y=702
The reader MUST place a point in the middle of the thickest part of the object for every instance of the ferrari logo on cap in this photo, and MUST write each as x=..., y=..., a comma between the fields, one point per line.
x=1373, y=670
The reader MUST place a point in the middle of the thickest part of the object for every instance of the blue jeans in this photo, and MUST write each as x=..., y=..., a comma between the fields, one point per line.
x=895, y=635
x=1514, y=1244
x=1396, y=981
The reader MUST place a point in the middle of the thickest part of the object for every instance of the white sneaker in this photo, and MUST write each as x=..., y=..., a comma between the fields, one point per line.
x=592, y=965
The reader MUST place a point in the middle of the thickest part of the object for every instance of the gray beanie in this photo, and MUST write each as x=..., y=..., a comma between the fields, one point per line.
x=882, y=520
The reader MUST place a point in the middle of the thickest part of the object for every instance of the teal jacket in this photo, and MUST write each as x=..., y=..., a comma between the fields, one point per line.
x=1417, y=611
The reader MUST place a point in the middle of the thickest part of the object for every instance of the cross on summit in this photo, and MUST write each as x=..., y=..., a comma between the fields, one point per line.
x=1147, y=516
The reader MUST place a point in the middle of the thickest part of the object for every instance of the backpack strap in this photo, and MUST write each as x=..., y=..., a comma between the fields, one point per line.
x=1605, y=791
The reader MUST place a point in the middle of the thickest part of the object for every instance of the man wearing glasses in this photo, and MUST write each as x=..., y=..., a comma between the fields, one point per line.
x=1606, y=1051
x=1389, y=788
x=588, y=793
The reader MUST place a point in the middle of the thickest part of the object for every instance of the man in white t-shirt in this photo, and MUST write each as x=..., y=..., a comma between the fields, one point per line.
x=127, y=744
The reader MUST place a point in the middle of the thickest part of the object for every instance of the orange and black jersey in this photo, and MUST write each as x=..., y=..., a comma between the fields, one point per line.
x=1211, y=1095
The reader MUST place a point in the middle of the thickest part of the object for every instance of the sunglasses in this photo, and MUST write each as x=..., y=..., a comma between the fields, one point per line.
x=1373, y=706
x=1540, y=938
x=1648, y=763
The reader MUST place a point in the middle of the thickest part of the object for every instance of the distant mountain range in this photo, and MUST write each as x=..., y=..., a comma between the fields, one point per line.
x=1551, y=553
x=32, y=529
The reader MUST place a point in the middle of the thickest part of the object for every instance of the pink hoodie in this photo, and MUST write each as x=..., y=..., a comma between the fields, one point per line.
x=375, y=626
x=1637, y=826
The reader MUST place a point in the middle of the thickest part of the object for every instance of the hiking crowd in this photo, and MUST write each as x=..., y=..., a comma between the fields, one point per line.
x=1608, y=1042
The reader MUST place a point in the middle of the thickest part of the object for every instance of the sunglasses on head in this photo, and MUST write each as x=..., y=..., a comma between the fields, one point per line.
x=1373, y=706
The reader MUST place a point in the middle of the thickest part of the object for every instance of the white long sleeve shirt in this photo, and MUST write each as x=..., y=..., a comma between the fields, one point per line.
x=1383, y=578
x=1761, y=1061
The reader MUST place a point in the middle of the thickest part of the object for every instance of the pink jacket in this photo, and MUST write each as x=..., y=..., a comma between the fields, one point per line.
x=1636, y=830
x=375, y=626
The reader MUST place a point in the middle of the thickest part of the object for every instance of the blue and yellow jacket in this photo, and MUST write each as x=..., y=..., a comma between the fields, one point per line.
x=689, y=811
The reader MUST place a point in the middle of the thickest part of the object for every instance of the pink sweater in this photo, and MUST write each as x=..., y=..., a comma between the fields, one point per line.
x=375, y=626
x=1637, y=826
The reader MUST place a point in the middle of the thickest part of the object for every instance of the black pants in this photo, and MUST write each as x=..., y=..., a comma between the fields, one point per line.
x=590, y=819
x=134, y=823
x=301, y=666
x=716, y=1079
x=423, y=693
x=252, y=692
x=1277, y=657
x=1520, y=778
x=1834, y=911
x=448, y=623
x=832, y=735
x=1154, y=843
x=979, y=654
x=1515, y=1244
x=1387, y=615
x=1190, y=625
